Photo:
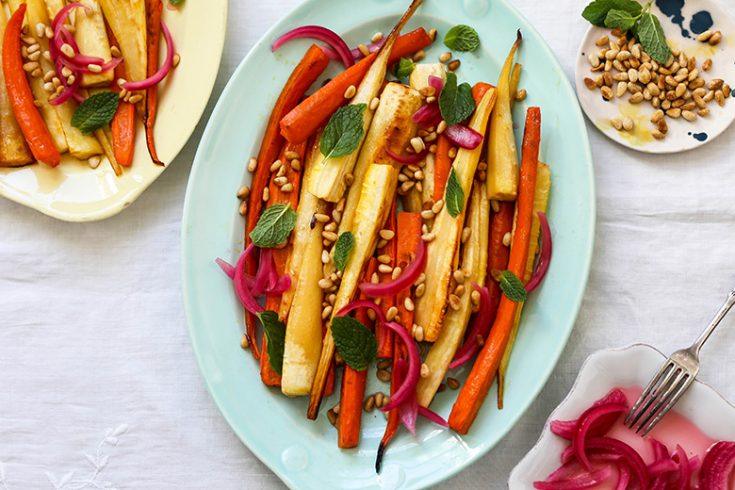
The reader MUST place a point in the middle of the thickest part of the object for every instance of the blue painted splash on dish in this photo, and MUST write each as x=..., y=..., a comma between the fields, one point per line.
x=699, y=136
x=701, y=21
x=672, y=9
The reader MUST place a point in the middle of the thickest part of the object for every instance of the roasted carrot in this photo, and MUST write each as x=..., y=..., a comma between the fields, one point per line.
x=540, y=201
x=483, y=372
x=442, y=166
x=123, y=124
x=153, y=9
x=312, y=113
x=383, y=334
x=353, y=386
x=306, y=72
x=498, y=254
x=408, y=237
x=280, y=255
x=26, y=113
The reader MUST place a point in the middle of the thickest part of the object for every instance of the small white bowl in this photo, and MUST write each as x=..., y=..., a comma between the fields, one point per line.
x=682, y=135
x=603, y=371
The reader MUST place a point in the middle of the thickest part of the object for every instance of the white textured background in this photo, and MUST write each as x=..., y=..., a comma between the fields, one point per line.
x=93, y=336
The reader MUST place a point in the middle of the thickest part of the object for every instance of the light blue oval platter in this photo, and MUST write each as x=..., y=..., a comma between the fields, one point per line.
x=303, y=453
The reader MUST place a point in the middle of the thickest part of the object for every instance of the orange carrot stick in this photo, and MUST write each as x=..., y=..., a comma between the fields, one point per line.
x=408, y=238
x=442, y=166
x=384, y=334
x=280, y=255
x=498, y=254
x=483, y=372
x=353, y=385
x=153, y=10
x=313, y=112
x=123, y=123
x=26, y=113
x=306, y=72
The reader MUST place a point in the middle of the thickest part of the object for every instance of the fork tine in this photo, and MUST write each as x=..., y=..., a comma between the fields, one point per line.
x=651, y=390
x=674, y=385
x=688, y=379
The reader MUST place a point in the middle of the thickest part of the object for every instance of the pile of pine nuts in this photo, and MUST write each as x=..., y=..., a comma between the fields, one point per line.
x=674, y=89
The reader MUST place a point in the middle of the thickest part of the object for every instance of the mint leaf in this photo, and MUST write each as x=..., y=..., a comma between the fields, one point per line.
x=274, y=226
x=344, y=131
x=620, y=19
x=96, y=111
x=343, y=249
x=652, y=38
x=275, y=332
x=456, y=102
x=596, y=12
x=462, y=38
x=354, y=341
x=404, y=68
x=454, y=195
x=512, y=287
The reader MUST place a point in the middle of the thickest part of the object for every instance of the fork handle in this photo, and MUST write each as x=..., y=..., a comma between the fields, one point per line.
x=724, y=309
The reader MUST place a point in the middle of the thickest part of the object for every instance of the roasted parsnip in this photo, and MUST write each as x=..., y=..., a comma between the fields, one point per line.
x=13, y=149
x=301, y=305
x=127, y=20
x=391, y=128
x=91, y=36
x=431, y=306
x=474, y=261
x=374, y=203
x=502, y=156
x=330, y=182
x=419, y=78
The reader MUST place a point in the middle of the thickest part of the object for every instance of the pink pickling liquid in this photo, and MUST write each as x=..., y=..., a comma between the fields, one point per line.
x=673, y=429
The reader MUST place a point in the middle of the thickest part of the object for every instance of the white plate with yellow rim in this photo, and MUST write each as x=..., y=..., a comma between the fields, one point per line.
x=682, y=21
x=75, y=192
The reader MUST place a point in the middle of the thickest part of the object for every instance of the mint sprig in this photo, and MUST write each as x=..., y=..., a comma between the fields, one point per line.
x=596, y=12
x=354, y=342
x=454, y=195
x=96, y=111
x=631, y=16
x=512, y=287
x=274, y=226
x=455, y=101
x=343, y=249
x=275, y=333
x=404, y=68
x=343, y=132
x=462, y=38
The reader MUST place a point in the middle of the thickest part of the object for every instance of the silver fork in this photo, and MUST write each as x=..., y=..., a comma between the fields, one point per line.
x=672, y=380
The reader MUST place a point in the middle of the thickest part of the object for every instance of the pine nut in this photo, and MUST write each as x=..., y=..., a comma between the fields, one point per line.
x=94, y=161
x=454, y=302
x=521, y=94
x=350, y=92
x=252, y=164
x=427, y=237
x=287, y=187
x=385, y=268
x=427, y=214
x=628, y=124
x=453, y=65
x=452, y=383
x=689, y=115
x=420, y=290
x=418, y=333
x=445, y=57
x=636, y=98
x=466, y=232
x=621, y=89
x=674, y=113
x=705, y=36
x=602, y=40
x=607, y=93
x=387, y=234
x=243, y=192
x=715, y=39
x=383, y=375
x=374, y=103
x=657, y=116
x=425, y=370
x=707, y=65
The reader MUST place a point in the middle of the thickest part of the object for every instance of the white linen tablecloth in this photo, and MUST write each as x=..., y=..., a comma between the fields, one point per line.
x=98, y=384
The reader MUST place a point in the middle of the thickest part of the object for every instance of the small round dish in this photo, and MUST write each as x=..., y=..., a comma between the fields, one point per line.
x=625, y=367
x=75, y=192
x=681, y=26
